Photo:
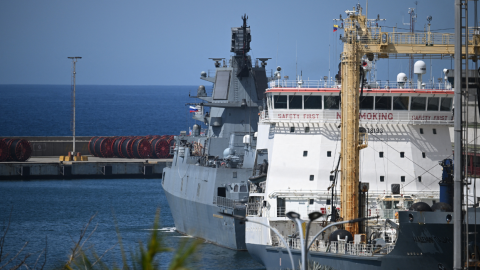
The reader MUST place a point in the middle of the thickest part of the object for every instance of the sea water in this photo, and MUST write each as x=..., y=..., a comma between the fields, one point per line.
x=52, y=213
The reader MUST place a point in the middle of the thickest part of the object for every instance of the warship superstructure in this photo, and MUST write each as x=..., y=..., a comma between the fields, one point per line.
x=209, y=172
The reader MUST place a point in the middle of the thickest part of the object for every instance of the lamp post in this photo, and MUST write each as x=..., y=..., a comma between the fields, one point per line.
x=74, y=60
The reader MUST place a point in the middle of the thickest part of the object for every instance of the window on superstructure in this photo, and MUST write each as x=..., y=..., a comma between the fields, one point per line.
x=307, y=129
x=402, y=154
x=311, y=177
x=380, y=154
x=332, y=102
x=332, y=177
x=312, y=102
x=235, y=189
x=432, y=104
x=305, y=153
x=295, y=102
x=279, y=102
x=311, y=201
x=234, y=174
x=419, y=179
x=434, y=131
x=366, y=103
x=446, y=104
x=418, y=104
x=423, y=154
x=329, y=153
x=402, y=178
x=421, y=131
x=382, y=178
x=383, y=103
x=400, y=103
x=292, y=129
x=243, y=188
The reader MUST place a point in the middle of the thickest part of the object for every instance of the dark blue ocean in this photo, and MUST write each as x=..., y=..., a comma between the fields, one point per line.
x=55, y=211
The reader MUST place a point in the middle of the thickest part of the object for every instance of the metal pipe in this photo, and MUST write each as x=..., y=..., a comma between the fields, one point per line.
x=457, y=204
x=74, y=60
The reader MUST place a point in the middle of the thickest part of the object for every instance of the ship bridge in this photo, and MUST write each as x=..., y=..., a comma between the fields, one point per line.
x=319, y=102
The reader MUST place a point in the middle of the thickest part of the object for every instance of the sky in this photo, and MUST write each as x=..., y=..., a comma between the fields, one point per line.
x=158, y=42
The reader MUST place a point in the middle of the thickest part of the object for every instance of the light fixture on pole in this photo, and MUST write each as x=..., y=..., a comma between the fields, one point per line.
x=74, y=60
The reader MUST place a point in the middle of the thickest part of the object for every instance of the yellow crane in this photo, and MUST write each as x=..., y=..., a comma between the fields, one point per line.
x=361, y=39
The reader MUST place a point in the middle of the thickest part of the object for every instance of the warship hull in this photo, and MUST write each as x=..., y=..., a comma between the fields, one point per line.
x=191, y=194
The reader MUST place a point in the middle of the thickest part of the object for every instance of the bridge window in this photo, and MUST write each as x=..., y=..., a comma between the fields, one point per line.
x=292, y=129
x=400, y=103
x=235, y=189
x=366, y=103
x=280, y=102
x=307, y=129
x=433, y=103
x=312, y=102
x=295, y=102
x=418, y=104
x=311, y=201
x=243, y=188
x=332, y=102
x=446, y=105
x=383, y=103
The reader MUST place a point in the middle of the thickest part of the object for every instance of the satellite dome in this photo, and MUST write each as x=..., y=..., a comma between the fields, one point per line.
x=420, y=67
x=401, y=77
x=203, y=74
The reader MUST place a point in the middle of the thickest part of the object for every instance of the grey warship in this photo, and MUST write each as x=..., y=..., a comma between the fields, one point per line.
x=209, y=172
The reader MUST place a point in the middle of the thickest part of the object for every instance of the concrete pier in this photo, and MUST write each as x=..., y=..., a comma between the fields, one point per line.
x=52, y=168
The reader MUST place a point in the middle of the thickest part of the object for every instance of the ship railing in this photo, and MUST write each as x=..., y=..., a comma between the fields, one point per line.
x=253, y=209
x=281, y=212
x=379, y=85
x=355, y=249
x=225, y=202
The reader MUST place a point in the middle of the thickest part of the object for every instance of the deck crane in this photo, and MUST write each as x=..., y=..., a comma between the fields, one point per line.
x=361, y=39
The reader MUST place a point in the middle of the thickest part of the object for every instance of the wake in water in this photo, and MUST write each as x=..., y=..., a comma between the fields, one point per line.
x=166, y=229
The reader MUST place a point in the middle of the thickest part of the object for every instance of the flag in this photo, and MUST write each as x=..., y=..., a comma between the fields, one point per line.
x=193, y=109
x=335, y=27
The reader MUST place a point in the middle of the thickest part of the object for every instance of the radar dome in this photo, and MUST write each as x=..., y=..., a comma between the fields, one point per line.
x=420, y=67
x=203, y=74
x=401, y=77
